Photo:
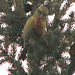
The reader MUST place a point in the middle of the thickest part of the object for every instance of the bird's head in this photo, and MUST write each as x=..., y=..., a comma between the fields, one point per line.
x=41, y=11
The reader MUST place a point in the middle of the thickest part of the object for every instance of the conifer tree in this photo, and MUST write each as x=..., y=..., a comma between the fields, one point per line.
x=44, y=57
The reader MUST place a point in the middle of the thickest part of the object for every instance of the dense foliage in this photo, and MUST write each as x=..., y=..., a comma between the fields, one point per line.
x=44, y=57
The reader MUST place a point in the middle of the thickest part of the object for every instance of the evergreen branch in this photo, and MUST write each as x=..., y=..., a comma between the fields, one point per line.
x=16, y=19
x=6, y=42
x=22, y=8
x=14, y=3
x=16, y=65
x=4, y=5
x=65, y=9
x=19, y=5
x=56, y=5
x=24, y=1
x=1, y=7
x=44, y=43
x=2, y=61
x=11, y=59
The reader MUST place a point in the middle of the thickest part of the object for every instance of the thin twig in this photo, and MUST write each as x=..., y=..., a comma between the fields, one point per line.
x=4, y=5
x=19, y=5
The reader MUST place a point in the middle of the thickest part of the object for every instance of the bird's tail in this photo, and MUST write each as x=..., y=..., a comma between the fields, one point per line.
x=24, y=52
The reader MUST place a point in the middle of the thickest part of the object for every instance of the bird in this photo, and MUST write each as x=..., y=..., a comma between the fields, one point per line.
x=34, y=28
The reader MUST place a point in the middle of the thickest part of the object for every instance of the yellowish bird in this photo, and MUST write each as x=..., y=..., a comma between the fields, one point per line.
x=34, y=28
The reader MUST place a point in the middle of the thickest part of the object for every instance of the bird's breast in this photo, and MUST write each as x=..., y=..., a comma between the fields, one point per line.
x=39, y=26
